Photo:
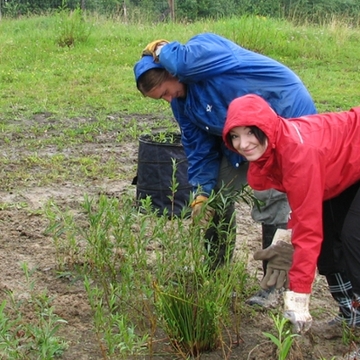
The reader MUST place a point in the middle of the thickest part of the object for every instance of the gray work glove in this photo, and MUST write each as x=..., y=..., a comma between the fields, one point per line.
x=296, y=309
x=279, y=256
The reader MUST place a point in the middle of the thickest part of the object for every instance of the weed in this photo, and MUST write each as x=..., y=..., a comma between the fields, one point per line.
x=72, y=27
x=113, y=329
x=63, y=229
x=21, y=339
x=165, y=138
x=9, y=342
x=18, y=205
x=126, y=288
x=284, y=338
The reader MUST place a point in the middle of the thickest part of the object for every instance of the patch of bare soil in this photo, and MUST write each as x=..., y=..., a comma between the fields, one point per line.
x=22, y=240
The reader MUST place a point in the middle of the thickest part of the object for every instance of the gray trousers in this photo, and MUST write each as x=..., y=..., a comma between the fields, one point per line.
x=274, y=207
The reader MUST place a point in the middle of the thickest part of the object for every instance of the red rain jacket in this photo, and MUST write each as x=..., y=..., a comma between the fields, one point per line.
x=311, y=158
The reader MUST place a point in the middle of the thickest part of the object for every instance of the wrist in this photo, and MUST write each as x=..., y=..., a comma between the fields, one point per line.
x=298, y=301
x=282, y=235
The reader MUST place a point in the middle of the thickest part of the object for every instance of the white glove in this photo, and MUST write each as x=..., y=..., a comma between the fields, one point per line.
x=296, y=309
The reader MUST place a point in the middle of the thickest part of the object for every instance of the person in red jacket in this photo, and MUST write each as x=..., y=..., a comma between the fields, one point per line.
x=312, y=159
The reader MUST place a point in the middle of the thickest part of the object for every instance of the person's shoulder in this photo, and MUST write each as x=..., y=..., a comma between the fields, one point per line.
x=206, y=36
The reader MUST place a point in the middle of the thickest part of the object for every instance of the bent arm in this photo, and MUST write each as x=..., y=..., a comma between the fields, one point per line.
x=202, y=56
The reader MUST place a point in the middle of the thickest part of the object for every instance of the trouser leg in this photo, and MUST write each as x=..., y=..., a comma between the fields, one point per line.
x=220, y=237
x=333, y=260
x=273, y=209
x=341, y=290
x=350, y=237
x=273, y=214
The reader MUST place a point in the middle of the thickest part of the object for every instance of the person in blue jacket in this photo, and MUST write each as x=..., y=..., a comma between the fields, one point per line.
x=199, y=79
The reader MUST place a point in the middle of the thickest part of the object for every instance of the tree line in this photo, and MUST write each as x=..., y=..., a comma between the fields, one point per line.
x=192, y=10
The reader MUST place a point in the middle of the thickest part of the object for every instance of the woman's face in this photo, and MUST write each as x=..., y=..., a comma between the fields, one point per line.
x=168, y=90
x=246, y=143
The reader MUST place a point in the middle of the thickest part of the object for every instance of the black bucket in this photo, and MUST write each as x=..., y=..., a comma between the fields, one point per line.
x=155, y=171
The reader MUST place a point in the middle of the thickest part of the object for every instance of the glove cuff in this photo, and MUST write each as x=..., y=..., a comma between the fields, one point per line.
x=282, y=235
x=199, y=200
x=296, y=301
x=159, y=47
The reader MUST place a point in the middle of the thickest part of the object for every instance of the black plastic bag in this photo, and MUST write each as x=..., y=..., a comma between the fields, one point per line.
x=155, y=171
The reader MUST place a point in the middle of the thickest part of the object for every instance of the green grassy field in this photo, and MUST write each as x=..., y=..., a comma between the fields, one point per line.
x=95, y=76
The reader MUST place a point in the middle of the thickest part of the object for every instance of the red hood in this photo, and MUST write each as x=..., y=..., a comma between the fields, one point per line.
x=252, y=110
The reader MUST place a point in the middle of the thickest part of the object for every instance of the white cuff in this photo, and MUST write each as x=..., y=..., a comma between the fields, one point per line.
x=296, y=301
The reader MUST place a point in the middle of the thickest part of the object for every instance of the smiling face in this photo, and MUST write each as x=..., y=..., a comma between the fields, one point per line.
x=246, y=143
x=168, y=90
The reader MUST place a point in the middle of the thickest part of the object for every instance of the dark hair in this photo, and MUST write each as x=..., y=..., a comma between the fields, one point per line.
x=151, y=79
x=259, y=134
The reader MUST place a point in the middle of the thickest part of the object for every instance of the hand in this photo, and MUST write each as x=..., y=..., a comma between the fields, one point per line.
x=201, y=212
x=154, y=48
x=296, y=309
x=279, y=256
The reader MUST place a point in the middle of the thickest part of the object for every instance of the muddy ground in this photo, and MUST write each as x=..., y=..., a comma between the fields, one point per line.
x=23, y=240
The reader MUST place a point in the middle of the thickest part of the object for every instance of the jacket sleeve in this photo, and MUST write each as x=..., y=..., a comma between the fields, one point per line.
x=209, y=55
x=202, y=56
x=303, y=180
x=202, y=152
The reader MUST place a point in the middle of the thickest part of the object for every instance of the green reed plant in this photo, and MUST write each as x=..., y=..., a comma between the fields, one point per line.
x=193, y=307
x=194, y=300
x=174, y=184
x=191, y=321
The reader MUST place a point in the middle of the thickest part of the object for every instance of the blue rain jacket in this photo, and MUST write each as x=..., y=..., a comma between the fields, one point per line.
x=216, y=71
